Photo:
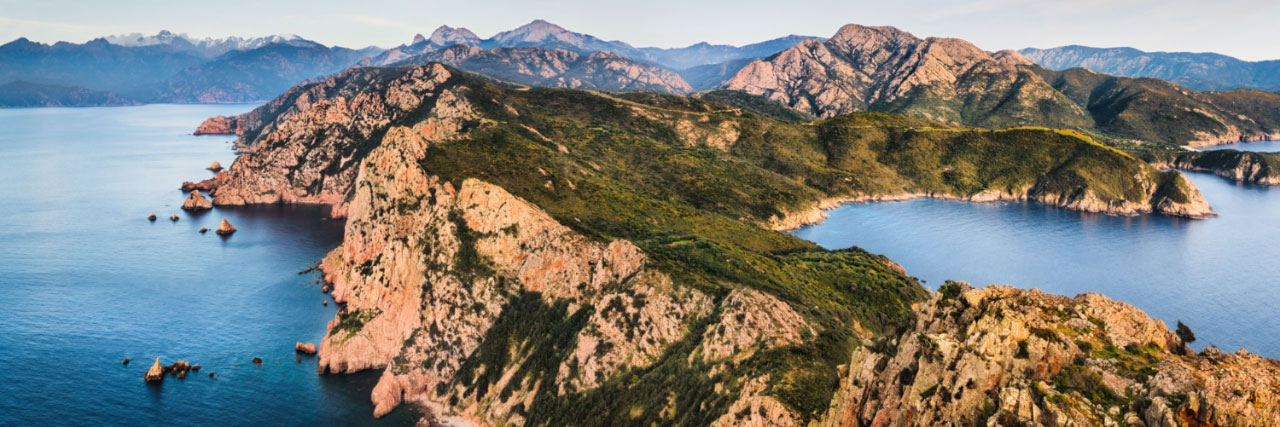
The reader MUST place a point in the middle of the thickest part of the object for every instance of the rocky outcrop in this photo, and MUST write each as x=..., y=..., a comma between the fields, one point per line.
x=215, y=167
x=155, y=372
x=220, y=125
x=1005, y=356
x=1242, y=166
x=196, y=202
x=305, y=348
x=225, y=228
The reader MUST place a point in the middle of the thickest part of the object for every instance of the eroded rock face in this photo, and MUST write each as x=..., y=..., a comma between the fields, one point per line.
x=220, y=125
x=1009, y=356
x=427, y=271
x=305, y=146
x=196, y=202
x=864, y=66
x=1243, y=166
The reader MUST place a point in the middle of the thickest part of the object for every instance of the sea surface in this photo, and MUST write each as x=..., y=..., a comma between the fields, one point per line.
x=1220, y=276
x=89, y=281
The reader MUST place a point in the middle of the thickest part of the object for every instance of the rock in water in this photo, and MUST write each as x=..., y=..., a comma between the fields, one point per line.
x=305, y=348
x=215, y=166
x=225, y=229
x=151, y=217
x=173, y=217
x=156, y=373
x=196, y=202
x=126, y=361
x=257, y=361
x=203, y=230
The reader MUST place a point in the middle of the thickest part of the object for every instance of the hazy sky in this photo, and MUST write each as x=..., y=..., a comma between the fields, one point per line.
x=1247, y=29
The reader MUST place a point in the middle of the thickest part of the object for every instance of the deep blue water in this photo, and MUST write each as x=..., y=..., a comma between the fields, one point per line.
x=1220, y=276
x=1264, y=146
x=89, y=281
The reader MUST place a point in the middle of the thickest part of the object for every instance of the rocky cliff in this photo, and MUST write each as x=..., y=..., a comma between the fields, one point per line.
x=220, y=125
x=566, y=257
x=1243, y=166
x=1005, y=356
x=950, y=80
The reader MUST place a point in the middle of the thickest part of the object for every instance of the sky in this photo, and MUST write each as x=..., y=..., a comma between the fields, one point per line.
x=1246, y=29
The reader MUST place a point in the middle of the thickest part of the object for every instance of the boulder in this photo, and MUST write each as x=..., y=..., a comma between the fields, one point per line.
x=305, y=348
x=179, y=369
x=195, y=367
x=196, y=202
x=203, y=230
x=126, y=361
x=215, y=166
x=324, y=289
x=155, y=373
x=151, y=217
x=173, y=217
x=257, y=361
x=225, y=229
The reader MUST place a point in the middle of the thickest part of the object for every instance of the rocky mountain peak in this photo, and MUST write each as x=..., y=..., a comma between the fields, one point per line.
x=855, y=34
x=418, y=38
x=446, y=35
x=536, y=31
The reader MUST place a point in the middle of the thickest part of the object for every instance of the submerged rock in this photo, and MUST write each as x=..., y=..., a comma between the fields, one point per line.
x=225, y=228
x=155, y=373
x=196, y=202
x=305, y=348
x=215, y=166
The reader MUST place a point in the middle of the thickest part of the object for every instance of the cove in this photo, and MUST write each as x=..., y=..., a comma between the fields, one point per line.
x=1219, y=275
x=89, y=281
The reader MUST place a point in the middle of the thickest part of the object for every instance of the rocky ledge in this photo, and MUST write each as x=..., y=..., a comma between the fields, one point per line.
x=1006, y=356
x=220, y=125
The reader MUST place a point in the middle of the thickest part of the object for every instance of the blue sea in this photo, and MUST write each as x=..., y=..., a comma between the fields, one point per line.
x=89, y=281
x=1220, y=276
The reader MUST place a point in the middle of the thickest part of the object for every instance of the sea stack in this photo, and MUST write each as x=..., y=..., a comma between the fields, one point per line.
x=305, y=348
x=225, y=229
x=156, y=373
x=196, y=202
x=215, y=166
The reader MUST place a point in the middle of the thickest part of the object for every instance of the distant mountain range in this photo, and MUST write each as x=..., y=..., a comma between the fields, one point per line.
x=207, y=47
x=545, y=35
x=951, y=80
x=558, y=68
x=170, y=67
x=1200, y=71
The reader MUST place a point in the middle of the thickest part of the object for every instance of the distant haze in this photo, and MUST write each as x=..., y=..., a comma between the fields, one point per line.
x=1241, y=28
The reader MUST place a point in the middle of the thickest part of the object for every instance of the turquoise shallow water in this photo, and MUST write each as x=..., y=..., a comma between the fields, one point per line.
x=89, y=281
x=1220, y=276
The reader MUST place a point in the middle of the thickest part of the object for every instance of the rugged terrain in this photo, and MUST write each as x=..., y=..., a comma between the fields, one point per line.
x=557, y=68
x=953, y=81
x=26, y=94
x=1200, y=71
x=549, y=256
x=1243, y=166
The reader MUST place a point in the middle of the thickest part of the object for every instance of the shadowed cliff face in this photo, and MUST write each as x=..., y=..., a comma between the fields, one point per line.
x=951, y=80
x=565, y=257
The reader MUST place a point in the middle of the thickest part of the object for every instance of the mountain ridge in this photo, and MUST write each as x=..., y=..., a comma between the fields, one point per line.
x=1195, y=70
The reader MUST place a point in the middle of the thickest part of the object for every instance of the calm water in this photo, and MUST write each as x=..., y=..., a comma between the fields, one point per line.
x=89, y=281
x=1264, y=146
x=1219, y=276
